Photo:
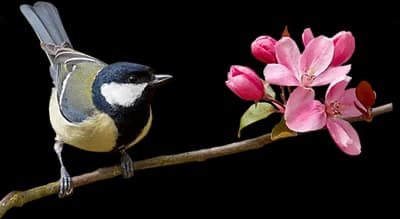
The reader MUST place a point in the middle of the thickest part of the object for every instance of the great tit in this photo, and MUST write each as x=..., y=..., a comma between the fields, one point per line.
x=93, y=106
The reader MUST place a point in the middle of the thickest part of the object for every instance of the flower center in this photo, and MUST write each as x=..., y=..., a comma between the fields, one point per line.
x=333, y=109
x=307, y=78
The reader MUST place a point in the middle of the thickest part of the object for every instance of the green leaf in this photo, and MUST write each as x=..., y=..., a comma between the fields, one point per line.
x=280, y=130
x=254, y=113
x=268, y=90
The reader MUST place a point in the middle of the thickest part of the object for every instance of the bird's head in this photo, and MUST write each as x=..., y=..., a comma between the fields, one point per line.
x=125, y=85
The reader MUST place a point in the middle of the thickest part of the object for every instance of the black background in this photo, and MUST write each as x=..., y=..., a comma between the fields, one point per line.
x=196, y=42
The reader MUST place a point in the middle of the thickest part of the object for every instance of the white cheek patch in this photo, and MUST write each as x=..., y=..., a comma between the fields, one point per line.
x=122, y=94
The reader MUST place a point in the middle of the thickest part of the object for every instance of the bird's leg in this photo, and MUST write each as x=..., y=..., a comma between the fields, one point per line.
x=126, y=164
x=66, y=187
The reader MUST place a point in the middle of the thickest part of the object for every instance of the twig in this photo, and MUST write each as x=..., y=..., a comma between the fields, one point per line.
x=19, y=198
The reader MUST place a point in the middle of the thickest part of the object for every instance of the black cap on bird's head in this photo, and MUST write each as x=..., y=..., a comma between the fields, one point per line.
x=126, y=72
x=125, y=84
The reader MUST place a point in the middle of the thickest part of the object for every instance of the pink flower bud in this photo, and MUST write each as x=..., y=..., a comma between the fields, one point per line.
x=245, y=83
x=344, y=47
x=263, y=49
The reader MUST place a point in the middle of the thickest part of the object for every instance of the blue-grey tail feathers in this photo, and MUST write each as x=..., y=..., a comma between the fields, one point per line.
x=46, y=22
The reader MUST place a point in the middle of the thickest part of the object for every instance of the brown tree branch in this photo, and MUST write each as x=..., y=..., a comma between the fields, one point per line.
x=19, y=198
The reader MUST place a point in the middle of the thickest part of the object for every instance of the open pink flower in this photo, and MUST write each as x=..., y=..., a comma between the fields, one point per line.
x=245, y=83
x=344, y=44
x=303, y=113
x=307, y=69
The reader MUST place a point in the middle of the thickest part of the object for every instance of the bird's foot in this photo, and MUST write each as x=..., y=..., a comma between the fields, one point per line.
x=66, y=187
x=126, y=165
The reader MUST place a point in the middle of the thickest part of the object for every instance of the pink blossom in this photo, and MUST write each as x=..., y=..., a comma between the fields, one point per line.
x=263, y=49
x=245, y=83
x=307, y=69
x=304, y=113
x=344, y=44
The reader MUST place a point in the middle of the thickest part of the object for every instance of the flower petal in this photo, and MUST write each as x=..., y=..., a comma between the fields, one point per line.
x=336, y=89
x=344, y=135
x=331, y=74
x=280, y=75
x=349, y=99
x=307, y=36
x=303, y=113
x=344, y=47
x=288, y=54
x=317, y=56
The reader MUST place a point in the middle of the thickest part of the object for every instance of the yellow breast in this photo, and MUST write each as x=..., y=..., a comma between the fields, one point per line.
x=97, y=134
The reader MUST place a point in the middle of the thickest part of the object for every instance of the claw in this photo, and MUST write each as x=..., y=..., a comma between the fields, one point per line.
x=126, y=165
x=66, y=187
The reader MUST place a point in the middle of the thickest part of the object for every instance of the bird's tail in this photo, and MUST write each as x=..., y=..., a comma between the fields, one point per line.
x=46, y=22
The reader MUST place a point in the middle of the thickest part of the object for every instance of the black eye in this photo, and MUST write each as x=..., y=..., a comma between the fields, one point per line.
x=131, y=79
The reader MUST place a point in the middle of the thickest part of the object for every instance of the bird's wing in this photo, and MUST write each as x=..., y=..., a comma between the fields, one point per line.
x=75, y=73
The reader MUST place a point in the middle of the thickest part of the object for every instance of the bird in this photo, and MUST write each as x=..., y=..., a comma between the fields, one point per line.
x=93, y=106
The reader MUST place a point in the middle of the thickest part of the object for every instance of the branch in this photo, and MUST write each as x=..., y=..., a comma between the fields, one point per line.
x=19, y=198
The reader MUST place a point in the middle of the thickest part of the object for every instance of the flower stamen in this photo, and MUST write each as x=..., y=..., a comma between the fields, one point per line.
x=334, y=109
x=307, y=78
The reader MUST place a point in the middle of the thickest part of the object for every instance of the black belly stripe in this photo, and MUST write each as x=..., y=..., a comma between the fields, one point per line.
x=130, y=123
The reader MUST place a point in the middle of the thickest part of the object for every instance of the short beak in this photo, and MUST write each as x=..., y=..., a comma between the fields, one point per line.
x=161, y=79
